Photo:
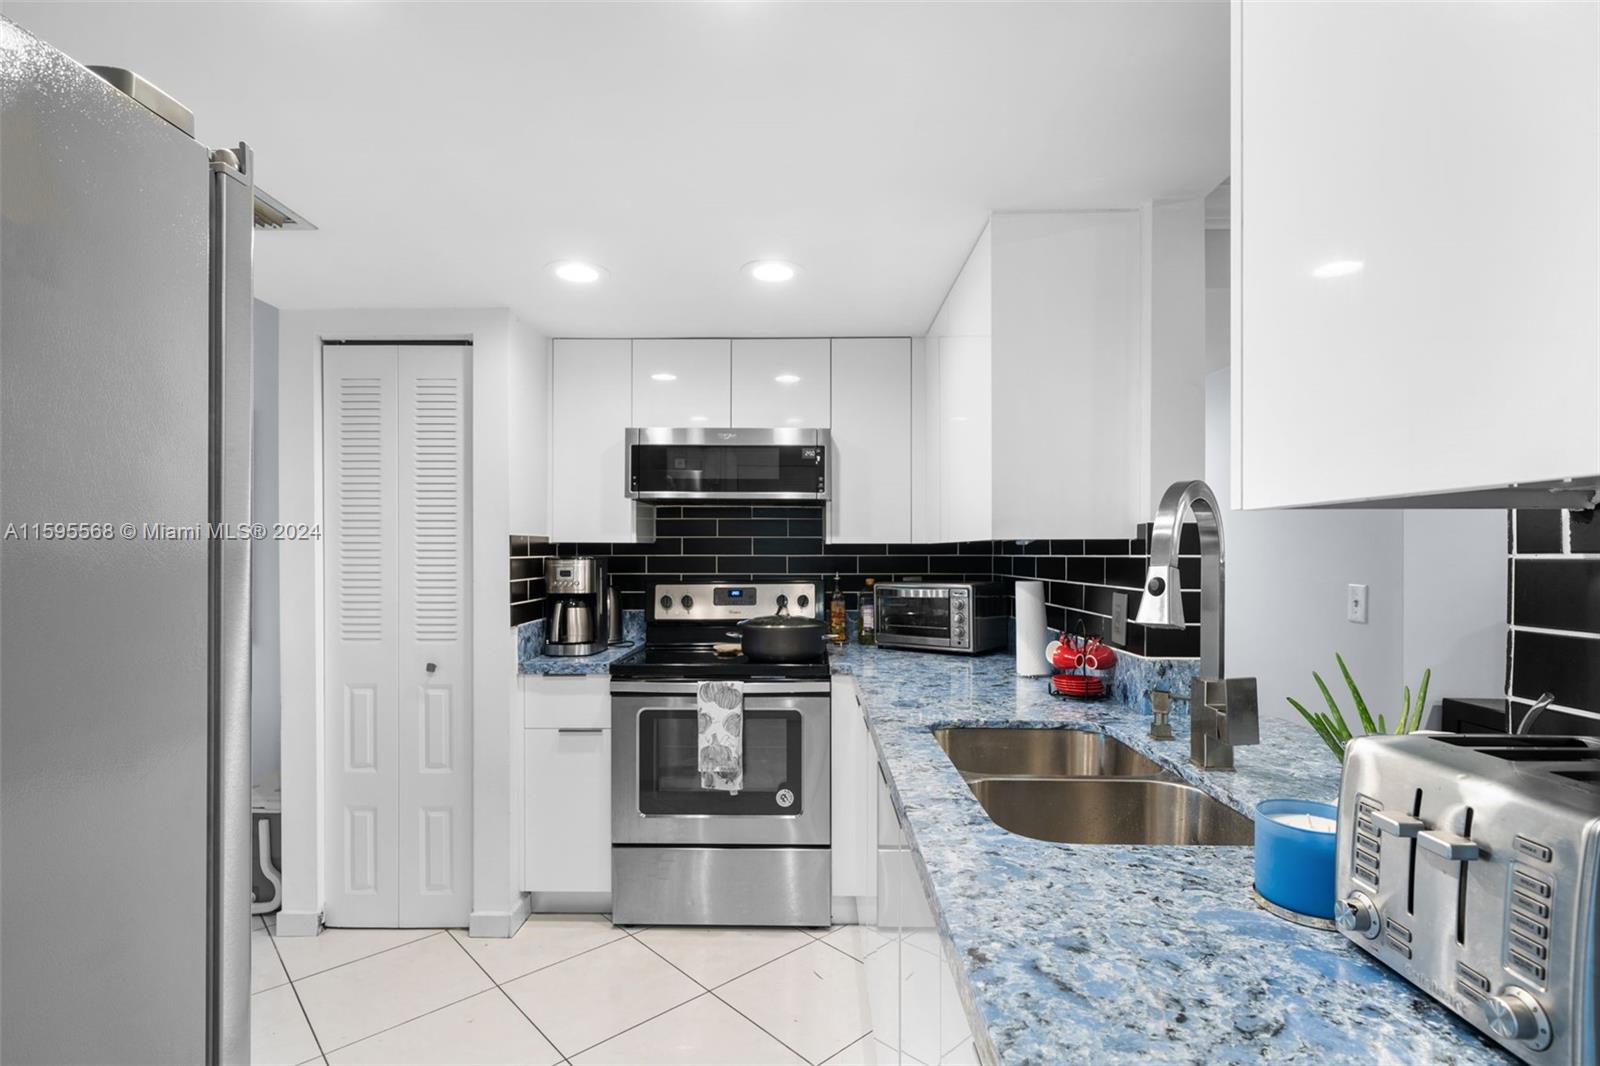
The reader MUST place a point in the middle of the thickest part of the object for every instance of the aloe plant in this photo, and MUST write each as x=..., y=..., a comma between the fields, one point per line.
x=1335, y=731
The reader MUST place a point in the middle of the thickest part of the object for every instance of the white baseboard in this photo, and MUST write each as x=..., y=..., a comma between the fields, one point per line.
x=499, y=924
x=299, y=923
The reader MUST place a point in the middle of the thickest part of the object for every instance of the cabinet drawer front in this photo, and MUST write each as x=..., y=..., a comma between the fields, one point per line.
x=559, y=701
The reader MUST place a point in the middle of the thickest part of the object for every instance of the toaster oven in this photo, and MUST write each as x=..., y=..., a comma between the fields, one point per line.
x=968, y=618
x=1470, y=864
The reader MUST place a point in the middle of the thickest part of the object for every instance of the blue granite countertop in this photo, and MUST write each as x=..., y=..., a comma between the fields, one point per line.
x=1102, y=953
x=530, y=638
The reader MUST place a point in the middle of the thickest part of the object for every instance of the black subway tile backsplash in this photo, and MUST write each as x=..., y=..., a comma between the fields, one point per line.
x=1554, y=607
x=1557, y=594
x=702, y=542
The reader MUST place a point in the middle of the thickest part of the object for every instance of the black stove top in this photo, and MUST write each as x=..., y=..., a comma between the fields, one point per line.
x=699, y=662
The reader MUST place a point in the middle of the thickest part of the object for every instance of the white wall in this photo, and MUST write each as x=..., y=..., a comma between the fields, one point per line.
x=1173, y=339
x=265, y=721
x=1455, y=601
x=529, y=395
x=498, y=342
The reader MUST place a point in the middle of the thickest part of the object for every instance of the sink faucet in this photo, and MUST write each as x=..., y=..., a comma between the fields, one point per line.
x=1222, y=710
x=1538, y=708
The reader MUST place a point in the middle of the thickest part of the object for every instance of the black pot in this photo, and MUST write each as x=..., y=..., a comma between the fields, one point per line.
x=782, y=638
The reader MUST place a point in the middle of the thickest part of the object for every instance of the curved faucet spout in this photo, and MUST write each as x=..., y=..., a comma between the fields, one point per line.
x=1161, y=605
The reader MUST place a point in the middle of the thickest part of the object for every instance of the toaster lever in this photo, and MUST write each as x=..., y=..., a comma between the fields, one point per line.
x=1397, y=823
x=1451, y=846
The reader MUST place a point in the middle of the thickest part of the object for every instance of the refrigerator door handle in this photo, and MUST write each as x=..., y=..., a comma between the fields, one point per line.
x=228, y=558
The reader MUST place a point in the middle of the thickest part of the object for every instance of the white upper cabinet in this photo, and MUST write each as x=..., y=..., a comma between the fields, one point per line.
x=871, y=475
x=781, y=382
x=1415, y=249
x=1043, y=374
x=678, y=383
x=591, y=407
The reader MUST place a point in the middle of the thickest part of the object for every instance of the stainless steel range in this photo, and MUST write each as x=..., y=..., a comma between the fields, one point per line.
x=686, y=854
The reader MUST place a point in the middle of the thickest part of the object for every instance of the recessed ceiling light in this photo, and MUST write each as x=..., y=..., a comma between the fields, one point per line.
x=577, y=272
x=771, y=270
x=1339, y=268
x=697, y=418
x=663, y=377
x=787, y=379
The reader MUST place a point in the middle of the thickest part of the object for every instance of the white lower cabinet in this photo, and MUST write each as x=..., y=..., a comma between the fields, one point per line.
x=567, y=784
x=854, y=763
x=912, y=987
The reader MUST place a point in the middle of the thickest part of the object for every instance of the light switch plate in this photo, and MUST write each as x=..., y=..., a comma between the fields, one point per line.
x=1356, y=604
x=1119, y=618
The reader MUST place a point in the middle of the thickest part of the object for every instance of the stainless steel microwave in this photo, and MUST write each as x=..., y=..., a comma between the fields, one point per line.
x=727, y=464
x=965, y=617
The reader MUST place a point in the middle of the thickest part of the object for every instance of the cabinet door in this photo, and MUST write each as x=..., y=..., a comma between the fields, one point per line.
x=1415, y=248
x=966, y=474
x=852, y=833
x=591, y=409
x=782, y=382
x=871, y=382
x=681, y=383
x=568, y=823
x=883, y=963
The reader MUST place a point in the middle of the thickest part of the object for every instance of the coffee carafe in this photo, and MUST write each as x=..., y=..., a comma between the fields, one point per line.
x=577, y=619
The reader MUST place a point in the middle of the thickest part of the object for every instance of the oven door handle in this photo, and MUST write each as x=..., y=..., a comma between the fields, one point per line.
x=668, y=690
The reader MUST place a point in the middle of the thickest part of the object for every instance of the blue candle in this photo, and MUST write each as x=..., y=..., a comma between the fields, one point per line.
x=1294, y=854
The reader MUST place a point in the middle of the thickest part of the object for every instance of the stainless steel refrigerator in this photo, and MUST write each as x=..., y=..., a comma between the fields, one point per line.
x=124, y=621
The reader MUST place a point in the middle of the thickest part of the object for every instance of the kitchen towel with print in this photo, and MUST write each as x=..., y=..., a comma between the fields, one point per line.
x=721, y=734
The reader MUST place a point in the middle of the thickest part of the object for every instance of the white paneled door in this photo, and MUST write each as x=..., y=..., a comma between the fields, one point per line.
x=397, y=771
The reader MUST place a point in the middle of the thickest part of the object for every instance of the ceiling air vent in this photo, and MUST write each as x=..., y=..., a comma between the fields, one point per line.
x=270, y=214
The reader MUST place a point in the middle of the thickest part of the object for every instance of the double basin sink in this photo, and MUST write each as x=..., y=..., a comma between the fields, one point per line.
x=1074, y=787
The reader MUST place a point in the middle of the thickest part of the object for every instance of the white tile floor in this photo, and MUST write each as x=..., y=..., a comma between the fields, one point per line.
x=566, y=988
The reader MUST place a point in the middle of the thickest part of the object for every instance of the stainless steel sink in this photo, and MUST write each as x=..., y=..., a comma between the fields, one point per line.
x=1041, y=753
x=1074, y=787
x=1110, y=810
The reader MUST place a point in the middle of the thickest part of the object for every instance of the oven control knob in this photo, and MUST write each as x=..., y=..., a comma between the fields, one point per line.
x=802, y=601
x=687, y=601
x=1516, y=1015
x=783, y=601
x=1356, y=913
x=666, y=603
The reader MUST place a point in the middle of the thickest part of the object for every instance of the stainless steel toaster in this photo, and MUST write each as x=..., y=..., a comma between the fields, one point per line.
x=1470, y=864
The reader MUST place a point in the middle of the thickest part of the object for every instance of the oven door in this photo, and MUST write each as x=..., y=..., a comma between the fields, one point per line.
x=656, y=792
x=915, y=617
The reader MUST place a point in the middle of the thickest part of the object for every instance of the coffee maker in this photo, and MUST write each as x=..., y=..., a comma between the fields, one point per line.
x=576, y=615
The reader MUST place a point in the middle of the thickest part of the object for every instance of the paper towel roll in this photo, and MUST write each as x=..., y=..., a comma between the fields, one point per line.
x=1031, y=629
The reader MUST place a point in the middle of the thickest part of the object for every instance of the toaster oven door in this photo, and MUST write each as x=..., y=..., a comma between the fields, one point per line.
x=915, y=617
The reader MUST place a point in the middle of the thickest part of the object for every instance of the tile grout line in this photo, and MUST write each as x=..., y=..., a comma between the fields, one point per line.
x=498, y=987
x=713, y=993
x=381, y=951
x=272, y=938
x=546, y=966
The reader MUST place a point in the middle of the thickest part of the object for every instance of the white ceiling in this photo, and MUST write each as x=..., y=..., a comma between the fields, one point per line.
x=450, y=151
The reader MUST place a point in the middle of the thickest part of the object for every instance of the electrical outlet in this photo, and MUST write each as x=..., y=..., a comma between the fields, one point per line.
x=1356, y=604
x=1119, y=618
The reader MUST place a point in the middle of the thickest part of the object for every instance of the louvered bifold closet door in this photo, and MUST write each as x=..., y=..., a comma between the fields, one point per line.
x=435, y=738
x=361, y=629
